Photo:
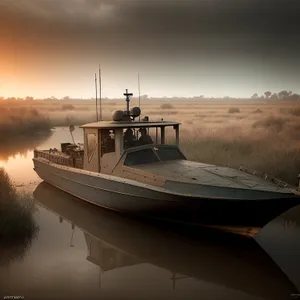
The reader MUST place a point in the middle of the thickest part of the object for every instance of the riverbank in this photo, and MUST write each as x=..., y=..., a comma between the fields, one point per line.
x=17, y=223
x=16, y=122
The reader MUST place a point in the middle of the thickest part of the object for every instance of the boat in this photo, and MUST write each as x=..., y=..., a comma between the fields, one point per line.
x=219, y=261
x=131, y=166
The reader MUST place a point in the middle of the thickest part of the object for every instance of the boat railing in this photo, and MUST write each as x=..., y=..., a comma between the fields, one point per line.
x=267, y=177
x=56, y=158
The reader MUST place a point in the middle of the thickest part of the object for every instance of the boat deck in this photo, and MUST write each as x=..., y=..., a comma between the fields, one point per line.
x=218, y=176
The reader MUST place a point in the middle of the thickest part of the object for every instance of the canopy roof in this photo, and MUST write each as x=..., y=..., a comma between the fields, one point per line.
x=126, y=124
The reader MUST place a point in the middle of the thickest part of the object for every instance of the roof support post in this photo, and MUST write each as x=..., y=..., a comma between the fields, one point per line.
x=162, y=135
x=119, y=141
x=176, y=127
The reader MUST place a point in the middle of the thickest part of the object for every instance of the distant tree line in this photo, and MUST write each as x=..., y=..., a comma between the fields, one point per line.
x=283, y=95
x=28, y=98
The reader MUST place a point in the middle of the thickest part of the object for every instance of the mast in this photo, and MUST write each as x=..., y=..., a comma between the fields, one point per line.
x=139, y=94
x=96, y=96
x=100, y=94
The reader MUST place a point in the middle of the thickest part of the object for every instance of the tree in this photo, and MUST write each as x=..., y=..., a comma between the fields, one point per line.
x=274, y=97
x=283, y=94
x=29, y=98
x=294, y=97
x=267, y=94
x=254, y=96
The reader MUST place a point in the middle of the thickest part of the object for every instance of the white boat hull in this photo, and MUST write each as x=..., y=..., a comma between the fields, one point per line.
x=145, y=200
x=103, y=190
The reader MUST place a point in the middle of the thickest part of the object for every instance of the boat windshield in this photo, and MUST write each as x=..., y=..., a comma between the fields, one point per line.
x=140, y=157
x=168, y=153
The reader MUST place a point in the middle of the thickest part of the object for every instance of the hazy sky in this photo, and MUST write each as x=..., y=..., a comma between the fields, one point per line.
x=179, y=47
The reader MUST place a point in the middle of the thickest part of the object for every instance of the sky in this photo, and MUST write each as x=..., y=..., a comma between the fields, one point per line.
x=180, y=48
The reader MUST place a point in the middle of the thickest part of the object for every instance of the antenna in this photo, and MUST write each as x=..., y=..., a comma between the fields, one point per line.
x=127, y=100
x=100, y=93
x=96, y=96
x=139, y=94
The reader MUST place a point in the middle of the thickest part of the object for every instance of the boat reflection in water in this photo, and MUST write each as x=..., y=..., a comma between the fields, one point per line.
x=115, y=242
x=281, y=239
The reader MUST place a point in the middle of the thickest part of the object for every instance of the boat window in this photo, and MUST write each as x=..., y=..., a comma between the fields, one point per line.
x=168, y=153
x=107, y=141
x=145, y=156
x=91, y=145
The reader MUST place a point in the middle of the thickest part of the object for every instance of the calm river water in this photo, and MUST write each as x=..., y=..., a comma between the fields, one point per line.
x=84, y=252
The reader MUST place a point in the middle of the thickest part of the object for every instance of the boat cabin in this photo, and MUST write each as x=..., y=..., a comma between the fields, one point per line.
x=106, y=141
x=120, y=141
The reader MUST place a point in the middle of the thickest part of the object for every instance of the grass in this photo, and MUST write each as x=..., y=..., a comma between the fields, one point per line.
x=22, y=122
x=294, y=111
x=271, y=122
x=167, y=106
x=67, y=107
x=233, y=110
x=17, y=224
x=269, y=152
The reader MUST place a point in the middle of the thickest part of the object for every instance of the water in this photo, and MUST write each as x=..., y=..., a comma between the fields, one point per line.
x=85, y=252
